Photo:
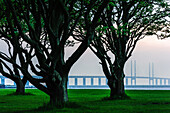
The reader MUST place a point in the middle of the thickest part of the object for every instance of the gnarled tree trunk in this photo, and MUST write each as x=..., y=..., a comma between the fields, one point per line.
x=58, y=89
x=116, y=81
x=20, y=85
x=117, y=88
x=20, y=89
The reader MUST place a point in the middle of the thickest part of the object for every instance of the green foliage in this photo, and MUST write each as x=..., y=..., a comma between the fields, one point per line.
x=129, y=20
x=149, y=33
x=112, y=4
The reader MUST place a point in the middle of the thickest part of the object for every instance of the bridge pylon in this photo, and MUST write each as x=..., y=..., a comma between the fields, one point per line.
x=133, y=75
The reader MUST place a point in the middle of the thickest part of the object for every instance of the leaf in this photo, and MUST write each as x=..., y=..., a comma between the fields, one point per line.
x=149, y=33
x=112, y=4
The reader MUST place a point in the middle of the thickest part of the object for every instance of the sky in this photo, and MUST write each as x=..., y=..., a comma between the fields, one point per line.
x=148, y=50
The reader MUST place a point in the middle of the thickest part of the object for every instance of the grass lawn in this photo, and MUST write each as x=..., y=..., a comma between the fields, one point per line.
x=87, y=100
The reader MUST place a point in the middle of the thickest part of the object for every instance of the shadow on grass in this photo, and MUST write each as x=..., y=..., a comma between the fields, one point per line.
x=66, y=105
x=117, y=97
x=157, y=103
x=19, y=94
x=48, y=108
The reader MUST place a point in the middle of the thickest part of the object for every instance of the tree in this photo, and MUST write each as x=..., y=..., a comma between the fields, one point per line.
x=13, y=72
x=7, y=70
x=42, y=28
x=123, y=24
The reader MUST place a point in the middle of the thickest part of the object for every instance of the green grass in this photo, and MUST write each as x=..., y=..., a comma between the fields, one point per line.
x=87, y=100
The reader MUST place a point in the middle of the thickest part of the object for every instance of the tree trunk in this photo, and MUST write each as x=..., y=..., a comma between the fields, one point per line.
x=118, y=88
x=20, y=89
x=59, y=94
x=117, y=85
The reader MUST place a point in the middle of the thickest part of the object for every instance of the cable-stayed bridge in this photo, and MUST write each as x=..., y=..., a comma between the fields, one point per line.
x=89, y=81
x=100, y=81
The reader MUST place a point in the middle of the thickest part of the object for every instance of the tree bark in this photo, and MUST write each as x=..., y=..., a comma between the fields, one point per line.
x=59, y=94
x=20, y=89
x=116, y=85
x=117, y=89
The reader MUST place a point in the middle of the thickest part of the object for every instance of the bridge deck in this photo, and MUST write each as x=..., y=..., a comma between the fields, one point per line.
x=101, y=82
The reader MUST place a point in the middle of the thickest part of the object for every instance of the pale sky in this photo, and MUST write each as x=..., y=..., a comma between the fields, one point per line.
x=149, y=49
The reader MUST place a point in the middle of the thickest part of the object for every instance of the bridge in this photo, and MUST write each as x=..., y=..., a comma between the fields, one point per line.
x=100, y=81
x=129, y=81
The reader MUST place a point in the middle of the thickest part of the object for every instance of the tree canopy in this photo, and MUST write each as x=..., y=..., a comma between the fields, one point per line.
x=123, y=24
x=37, y=32
x=40, y=29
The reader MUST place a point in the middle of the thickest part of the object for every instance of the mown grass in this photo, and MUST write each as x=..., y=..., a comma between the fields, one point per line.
x=87, y=100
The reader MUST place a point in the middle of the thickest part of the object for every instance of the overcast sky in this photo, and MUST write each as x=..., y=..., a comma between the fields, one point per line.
x=149, y=49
